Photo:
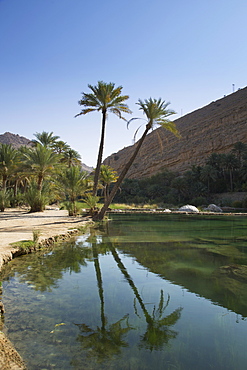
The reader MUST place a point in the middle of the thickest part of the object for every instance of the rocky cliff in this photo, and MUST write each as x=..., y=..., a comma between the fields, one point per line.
x=15, y=140
x=213, y=128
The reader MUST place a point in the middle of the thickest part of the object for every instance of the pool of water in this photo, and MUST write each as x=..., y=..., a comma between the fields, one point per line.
x=141, y=292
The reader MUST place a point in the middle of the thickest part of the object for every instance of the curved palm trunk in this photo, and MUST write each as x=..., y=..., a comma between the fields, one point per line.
x=100, y=154
x=131, y=283
x=112, y=194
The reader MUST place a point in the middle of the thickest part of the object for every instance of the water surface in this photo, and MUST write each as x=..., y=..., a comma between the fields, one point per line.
x=144, y=291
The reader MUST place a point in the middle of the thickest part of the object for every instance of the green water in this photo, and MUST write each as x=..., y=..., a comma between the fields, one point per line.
x=142, y=292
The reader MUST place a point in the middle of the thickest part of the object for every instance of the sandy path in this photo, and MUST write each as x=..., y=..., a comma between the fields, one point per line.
x=16, y=225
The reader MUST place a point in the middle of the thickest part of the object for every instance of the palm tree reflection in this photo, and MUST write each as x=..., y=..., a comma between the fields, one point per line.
x=158, y=332
x=108, y=339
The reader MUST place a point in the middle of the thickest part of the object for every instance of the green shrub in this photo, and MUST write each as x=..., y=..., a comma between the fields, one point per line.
x=244, y=203
x=4, y=200
x=237, y=204
x=199, y=201
x=37, y=199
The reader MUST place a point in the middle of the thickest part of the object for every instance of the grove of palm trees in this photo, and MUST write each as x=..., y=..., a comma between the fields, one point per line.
x=49, y=170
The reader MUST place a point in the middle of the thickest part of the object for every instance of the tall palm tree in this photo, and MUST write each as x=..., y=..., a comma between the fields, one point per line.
x=156, y=113
x=103, y=98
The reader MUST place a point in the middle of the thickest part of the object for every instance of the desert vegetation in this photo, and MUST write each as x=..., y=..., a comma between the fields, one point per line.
x=50, y=171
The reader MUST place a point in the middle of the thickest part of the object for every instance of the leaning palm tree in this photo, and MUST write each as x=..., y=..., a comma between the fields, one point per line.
x=156, y=113
x=104, y=98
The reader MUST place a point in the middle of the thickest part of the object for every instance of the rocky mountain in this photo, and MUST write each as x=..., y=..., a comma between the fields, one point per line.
x=15, y=140
x=213, y=128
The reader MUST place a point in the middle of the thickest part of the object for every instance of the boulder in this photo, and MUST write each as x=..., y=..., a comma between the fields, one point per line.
x=214, y=208
x=188, y=208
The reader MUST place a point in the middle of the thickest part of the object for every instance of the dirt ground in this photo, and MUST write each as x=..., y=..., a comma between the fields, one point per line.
x=16, y=225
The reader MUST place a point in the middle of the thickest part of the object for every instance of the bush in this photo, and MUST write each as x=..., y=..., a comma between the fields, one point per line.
x=199, y=201
x=4, y=200
x=237, y=204
x=36, y=199
x=244, y=203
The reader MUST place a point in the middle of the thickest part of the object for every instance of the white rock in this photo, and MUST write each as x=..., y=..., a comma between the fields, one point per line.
x=189, y=208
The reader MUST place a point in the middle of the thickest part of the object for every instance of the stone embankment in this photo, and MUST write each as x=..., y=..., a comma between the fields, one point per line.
x=213, y=128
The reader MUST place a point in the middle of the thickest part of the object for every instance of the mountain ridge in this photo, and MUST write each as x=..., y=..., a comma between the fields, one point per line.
x=215, y=127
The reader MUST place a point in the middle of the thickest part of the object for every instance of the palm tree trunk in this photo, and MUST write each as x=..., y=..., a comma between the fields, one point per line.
x=100, y=154
x=100, y=286
x=108, y=201
x=130, y=281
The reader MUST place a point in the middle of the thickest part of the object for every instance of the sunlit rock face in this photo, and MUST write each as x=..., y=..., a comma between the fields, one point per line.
x=214, y=128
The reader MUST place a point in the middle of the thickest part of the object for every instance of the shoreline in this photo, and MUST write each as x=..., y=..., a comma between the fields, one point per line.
x=16, y=224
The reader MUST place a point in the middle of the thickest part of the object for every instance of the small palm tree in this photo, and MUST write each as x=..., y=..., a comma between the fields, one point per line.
x=45, y=138
x=42, y=160
x=105, y=97
x=156, y=113
x=209, y=173
x=74, y=183
x=60, y=146
x=107, y=176
x=8, y=163
x=71, y=158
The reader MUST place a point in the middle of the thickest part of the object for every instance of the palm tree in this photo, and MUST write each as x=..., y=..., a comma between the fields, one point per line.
x=71, y=157
x=42, y=160
x=45, y=138
x=230, y=163
x=74, y=183
x=239, y=149
x=107, y=176
x=208, y=173
x=60, y=146
x=8, y=162
x=156, y=113
x=104, y=98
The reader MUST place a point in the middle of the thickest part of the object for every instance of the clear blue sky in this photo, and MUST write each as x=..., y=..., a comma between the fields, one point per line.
x=186, y=52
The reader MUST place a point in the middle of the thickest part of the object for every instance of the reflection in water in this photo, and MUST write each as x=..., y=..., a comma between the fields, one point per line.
x=157, y=333
x=107, y=340
x=136, y=294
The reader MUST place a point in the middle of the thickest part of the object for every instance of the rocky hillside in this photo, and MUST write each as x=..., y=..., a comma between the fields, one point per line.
x=15, y=140
x=213, y=128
